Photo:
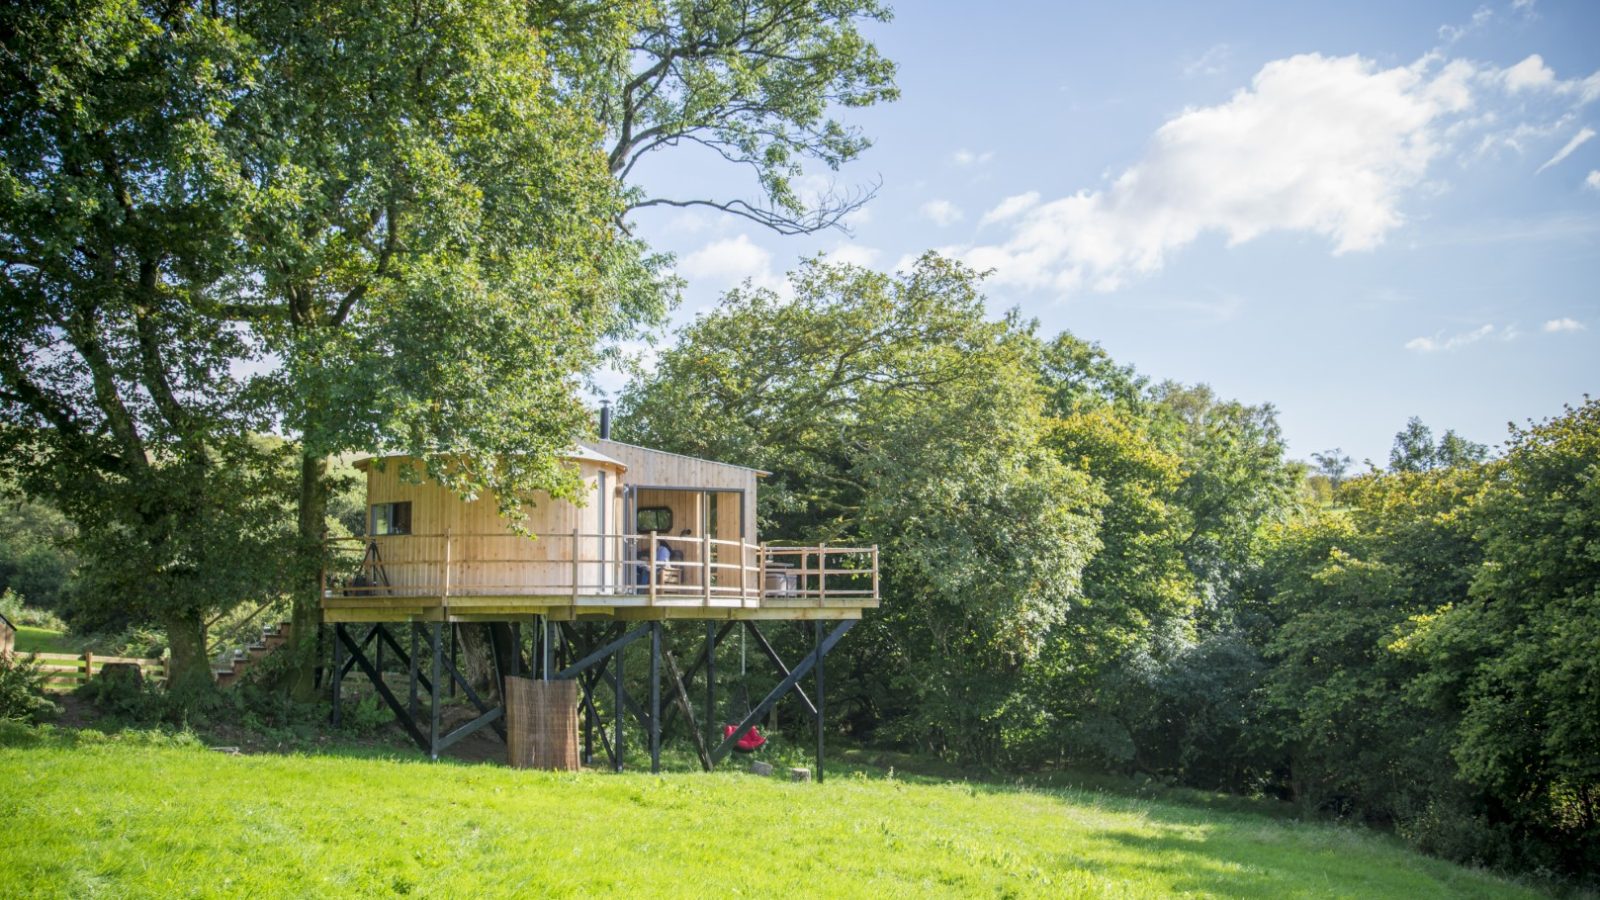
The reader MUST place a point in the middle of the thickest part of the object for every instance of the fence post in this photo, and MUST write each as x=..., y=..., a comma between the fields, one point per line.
x=88, y=666
x=166, y=667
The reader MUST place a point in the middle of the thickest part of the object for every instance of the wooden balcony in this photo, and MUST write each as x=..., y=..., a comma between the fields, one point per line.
x=498, y=576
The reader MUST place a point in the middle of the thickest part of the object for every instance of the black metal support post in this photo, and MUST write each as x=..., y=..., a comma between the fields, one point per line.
x=411, y=671
x=655, y=696
x=436, y=710
x=455, y=639
x=711, y=682
x=549, y=632
x=616, y=730
x=338, y=675
x=821, y=659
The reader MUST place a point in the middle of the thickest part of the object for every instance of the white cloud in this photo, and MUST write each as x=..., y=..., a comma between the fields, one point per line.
x=1315, y=144
x=1530, y=74
x=1453, y=342
x=854, y=254
x=1452, y=33
x=732, y=261
x=1011, y=207
x=1212, y=62
x=1533, y=75
x=1593, y=181
x=1577, y=141
x=965, y=157
x=941, y=212
x=1563, y=324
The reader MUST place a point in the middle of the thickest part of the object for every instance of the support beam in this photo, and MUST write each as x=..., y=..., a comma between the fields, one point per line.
x=822, y=659
x=616, y=732
x=800, y=671
x=436, y=710
x=681, y=696
x=338, y=675
x=772, y=655
x=655, y=697
x=359, y=659
x=411, y=672
x=595, y=656
x=710, y=654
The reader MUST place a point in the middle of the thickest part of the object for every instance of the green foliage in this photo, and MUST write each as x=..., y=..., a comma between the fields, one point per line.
x=22, y=696
x=890, y=410
x=1518, y=660
x=1415, y=451
x=755, y=82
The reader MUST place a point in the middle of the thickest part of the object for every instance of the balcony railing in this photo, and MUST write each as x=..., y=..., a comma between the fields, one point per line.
x=601, y=569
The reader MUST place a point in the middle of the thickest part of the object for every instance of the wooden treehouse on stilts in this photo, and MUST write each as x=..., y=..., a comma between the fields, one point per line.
x=658, y=537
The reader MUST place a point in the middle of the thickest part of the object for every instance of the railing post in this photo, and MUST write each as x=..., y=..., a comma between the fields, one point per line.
x=655, y=576
x=805, y=569
x=444, y=592
x=761, y=572
x=742, y=549
x=705, y=567
x=874, y=573
x=822, y=575
x=576, y=543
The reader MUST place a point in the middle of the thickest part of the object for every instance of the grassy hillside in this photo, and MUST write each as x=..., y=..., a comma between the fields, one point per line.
x=131, y=816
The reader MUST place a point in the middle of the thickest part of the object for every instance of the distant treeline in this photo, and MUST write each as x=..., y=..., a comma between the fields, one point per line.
x=1085, y=568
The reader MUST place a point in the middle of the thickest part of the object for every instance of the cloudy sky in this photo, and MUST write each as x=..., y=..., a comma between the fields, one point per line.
x=1358, y=212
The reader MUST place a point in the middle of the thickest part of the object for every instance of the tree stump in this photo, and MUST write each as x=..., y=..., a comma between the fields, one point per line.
x=800, y=774
x=122, y=676
x=760, y=768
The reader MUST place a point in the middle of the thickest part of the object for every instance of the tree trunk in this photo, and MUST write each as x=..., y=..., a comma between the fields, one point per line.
x=477, y=658
x=306, y=617
x=186, y=641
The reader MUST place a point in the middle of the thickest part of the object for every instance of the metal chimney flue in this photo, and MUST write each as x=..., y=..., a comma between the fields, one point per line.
x=605, y=420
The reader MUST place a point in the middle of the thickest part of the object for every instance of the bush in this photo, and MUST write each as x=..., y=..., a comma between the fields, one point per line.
x=22, y=690
x=19, y=613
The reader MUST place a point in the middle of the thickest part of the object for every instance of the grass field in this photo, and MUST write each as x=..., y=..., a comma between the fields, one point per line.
x=42, y=640
x=133, y=816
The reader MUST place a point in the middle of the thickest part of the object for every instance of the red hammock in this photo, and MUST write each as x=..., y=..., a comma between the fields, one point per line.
x=751, y=742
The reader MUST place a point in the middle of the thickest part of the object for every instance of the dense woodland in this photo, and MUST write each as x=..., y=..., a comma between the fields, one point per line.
x=238, y=241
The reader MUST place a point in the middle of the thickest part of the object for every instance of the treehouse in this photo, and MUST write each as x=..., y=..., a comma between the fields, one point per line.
x=651, y=537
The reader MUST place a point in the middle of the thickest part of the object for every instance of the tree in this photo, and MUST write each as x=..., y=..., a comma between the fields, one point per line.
x=118, y=396
x=1333, y=465
x=1415, y=451
x=890, y=410
x=755, y=83
x=1519, y=659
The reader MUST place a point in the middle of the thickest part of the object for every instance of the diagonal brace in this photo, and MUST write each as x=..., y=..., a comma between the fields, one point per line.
x=800, y=671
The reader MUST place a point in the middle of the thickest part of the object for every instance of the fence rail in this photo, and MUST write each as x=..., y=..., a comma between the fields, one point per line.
x=70, y=670
x=646, y=569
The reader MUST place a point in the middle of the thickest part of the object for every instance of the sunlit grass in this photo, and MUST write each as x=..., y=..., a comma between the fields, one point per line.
x=135, y=818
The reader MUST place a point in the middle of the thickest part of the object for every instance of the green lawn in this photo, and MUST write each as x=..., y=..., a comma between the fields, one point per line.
x=42, y=640
x=127, y=818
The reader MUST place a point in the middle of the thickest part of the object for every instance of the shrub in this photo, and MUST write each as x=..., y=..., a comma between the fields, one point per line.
x=22, y=690
x=19, y=613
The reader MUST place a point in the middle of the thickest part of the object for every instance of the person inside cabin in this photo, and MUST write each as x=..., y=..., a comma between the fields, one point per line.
x=663, y=557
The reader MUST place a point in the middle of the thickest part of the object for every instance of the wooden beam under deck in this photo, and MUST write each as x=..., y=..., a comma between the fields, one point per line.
x=562, y=609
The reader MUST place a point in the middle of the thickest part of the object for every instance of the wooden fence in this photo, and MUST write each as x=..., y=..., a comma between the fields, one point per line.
x=67, y=670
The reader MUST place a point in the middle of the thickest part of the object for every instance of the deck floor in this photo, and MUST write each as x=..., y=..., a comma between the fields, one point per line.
x=567, y=608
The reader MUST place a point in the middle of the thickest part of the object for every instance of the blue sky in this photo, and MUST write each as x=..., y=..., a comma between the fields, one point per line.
x=1356, y=212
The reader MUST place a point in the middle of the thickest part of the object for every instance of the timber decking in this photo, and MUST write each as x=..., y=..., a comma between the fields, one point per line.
x=577, y=576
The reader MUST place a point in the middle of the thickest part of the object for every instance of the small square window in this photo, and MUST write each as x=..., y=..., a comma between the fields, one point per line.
x=654, y=518
x=391, y=518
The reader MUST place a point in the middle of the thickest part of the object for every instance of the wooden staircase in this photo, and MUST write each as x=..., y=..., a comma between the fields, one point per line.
x=272, y=637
